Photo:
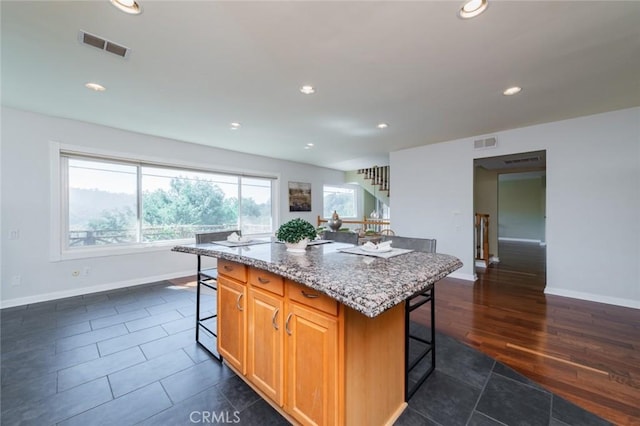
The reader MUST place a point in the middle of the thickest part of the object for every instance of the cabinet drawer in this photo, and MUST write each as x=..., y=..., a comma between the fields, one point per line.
x=313, y=298
x=233, y=270
x=266, y=280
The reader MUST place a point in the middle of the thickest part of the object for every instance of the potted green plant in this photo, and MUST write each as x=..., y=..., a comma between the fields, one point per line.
x=296, y=234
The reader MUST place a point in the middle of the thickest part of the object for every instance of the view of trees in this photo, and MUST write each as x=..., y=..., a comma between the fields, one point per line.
x=341, y=202
x=188, y=202
x=188, y=206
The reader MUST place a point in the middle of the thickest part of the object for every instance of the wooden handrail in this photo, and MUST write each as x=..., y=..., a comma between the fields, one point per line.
x=482, y=238
x=366, y=222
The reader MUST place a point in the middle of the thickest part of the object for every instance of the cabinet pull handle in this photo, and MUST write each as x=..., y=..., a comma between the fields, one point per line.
x=240, y=308
x=309, y=295
x=286, y=324
x=273, y=319
x=263, y=280
x=228, y=268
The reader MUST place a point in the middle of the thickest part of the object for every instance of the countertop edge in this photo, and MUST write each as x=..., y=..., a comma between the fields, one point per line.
x=371, y=312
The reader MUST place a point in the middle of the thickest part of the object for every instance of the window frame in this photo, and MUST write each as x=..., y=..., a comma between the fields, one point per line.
x=357, y=195
x=59, y=201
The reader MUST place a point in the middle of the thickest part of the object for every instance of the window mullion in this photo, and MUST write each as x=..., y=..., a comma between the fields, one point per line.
x=139, y=203
x=240, y=203
x=64, y=192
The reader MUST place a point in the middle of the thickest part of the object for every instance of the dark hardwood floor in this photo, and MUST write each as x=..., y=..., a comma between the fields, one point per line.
x=586, y=352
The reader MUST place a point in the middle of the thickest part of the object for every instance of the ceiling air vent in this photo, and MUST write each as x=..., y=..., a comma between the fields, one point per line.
x=485, y=143
x=103, y=44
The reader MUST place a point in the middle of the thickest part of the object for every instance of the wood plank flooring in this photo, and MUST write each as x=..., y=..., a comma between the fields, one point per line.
x=586, y=352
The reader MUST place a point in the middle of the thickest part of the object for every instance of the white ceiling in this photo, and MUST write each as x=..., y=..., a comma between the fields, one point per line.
x=194, y=67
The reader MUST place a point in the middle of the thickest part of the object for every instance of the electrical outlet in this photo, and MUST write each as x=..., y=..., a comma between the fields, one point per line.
x=14, y=234
x=16, y=280
x=75, y=273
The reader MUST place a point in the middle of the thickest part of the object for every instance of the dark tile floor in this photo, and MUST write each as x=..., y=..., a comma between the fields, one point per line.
x=128, y=357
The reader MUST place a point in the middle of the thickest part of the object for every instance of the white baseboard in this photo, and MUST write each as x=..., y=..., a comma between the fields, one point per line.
x=492, y=259
x=593, y=297
x=522, y=240
x=89, y=290
x=543, y=244
x=480, y=264
x=461, y=276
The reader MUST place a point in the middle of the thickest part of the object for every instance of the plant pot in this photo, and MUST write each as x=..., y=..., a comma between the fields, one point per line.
x=299, y=247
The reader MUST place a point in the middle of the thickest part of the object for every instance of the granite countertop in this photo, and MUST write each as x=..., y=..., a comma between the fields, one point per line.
x=367, y=284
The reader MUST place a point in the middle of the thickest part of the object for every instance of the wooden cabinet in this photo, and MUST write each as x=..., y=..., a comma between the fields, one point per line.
x=303, y=351
x=232, y=322
x=265, y=343
x=312, y=366
x=313, y=359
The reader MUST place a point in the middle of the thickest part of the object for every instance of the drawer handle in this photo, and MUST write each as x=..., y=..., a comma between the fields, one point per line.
x=228, y=268
x=264, y=280
x=286, y=324
x=309, y=295
x=240, y=308
x=273, y=319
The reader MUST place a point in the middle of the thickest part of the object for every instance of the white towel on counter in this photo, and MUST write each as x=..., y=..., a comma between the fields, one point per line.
x=386, y=245
x=235, y=238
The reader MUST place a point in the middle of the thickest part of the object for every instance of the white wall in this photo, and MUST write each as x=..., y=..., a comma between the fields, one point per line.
x=25, y=192
x=520, y=208
x=592, y=201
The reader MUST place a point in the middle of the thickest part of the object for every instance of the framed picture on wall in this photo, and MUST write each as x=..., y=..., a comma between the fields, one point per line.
x=299, y=197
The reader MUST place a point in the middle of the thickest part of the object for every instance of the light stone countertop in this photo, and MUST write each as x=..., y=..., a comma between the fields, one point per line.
x=366, y=284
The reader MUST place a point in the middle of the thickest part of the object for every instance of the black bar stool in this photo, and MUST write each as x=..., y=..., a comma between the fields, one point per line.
x=411, y=304
x=209, y=279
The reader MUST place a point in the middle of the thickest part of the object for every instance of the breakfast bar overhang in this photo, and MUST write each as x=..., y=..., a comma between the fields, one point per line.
x=321, y=334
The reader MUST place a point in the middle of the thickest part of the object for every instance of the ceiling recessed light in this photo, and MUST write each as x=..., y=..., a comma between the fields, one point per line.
x=309, y=145
x=512, y=91
x=473, y=8
x=95, y=86
x=308, y=90
x=235, y=125
x=128, y=6
x=382, y=125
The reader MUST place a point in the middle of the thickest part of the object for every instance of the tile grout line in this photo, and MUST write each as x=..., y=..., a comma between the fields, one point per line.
x=484, y=386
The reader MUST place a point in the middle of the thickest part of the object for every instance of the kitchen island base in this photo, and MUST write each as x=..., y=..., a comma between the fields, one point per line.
x=315, y=360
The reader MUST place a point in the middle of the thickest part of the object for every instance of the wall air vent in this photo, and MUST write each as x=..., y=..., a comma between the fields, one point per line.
x=103, y=44
x=519, y=161
x=485, y=143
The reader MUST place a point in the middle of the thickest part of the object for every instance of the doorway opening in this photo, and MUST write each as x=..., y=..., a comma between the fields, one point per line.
x=510, y=206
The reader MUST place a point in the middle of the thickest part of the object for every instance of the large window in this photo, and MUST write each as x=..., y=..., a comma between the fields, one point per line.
x=113, y=202
x=342, y=199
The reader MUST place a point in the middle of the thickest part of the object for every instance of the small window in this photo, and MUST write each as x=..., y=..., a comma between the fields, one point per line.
x=342, y=199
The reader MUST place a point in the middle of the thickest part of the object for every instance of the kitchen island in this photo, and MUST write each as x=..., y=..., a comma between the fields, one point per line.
x=320, y=335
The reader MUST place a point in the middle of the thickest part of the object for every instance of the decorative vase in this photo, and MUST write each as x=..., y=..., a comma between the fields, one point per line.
x=335, y=222
x=299, y=247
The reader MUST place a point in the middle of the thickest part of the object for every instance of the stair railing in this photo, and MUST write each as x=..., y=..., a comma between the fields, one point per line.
x=482, y=238
x=379, y=176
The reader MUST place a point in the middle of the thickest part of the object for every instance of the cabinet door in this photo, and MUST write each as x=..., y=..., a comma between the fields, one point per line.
x=312, y=365
x=232, y=322
x=265, y=343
